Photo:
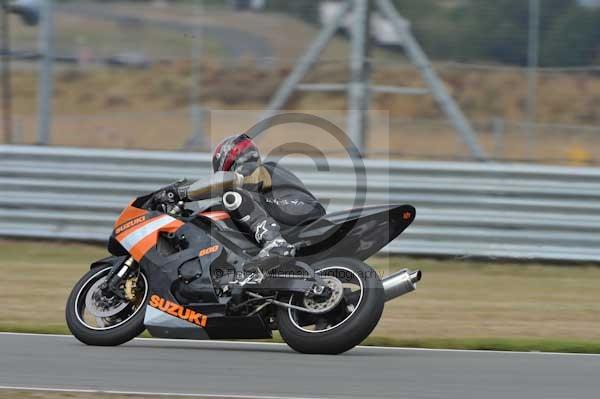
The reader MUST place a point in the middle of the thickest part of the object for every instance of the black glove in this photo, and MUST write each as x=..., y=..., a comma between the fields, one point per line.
x=169, y=194
x=168, y=199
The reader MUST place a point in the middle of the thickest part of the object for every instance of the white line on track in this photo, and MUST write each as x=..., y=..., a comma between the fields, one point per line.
x=384, y=348
x=140, y=393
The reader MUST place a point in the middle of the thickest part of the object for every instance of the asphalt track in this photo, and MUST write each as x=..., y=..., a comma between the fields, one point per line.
x=235, y=42
x=250, y=370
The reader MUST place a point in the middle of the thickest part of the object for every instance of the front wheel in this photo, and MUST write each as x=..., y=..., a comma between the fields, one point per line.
x=95, y=318
x=343, y=320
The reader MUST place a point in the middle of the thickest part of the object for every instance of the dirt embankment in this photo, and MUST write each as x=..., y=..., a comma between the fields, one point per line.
x=132, y=108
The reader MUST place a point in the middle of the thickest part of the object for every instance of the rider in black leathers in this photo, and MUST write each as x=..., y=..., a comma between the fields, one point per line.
x=260, y=197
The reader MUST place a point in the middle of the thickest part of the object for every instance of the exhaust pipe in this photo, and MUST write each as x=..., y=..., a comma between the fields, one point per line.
x=401, y=283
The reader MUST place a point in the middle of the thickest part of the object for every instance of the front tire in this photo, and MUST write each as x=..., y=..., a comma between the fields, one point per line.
x=113, y=330
x=343, y=327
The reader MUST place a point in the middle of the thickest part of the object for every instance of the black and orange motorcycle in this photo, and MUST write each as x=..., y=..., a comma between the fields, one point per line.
x=193, y=275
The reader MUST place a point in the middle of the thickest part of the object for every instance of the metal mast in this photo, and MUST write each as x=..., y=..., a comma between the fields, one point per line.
x=532, y=70
x=197, y=137
x=358, y=89
x=6, y=86
x=46, y=37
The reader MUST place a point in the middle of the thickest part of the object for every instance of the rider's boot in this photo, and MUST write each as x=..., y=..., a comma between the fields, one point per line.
x=246, y=212
x=277, y=246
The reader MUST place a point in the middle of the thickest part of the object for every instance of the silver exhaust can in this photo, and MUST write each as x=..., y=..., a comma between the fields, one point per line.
x=401, y=283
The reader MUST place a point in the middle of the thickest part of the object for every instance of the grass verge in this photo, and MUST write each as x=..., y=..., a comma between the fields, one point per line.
x=491, y=344
x=458, y=305
x=485, y=344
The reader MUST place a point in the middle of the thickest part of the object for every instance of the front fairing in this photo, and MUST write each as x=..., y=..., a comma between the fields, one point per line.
x=137, y=230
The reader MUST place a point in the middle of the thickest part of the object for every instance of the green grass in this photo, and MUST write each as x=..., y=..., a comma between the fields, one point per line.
x=485, y=344
x=458, y=305
x=491, y=344
x=34, y=329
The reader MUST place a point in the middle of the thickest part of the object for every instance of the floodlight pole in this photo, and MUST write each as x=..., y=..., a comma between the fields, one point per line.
x=196, y=139
x=532, y=70
x=436, y=85
x=358, y=87
x=46, y=34
x=6, y=77
x=290, y=84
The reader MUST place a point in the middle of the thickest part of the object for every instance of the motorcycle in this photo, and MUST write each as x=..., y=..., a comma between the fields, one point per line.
x=193, y=275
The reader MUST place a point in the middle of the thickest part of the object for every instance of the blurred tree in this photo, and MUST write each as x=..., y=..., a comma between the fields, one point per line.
x=475, y=30
x=479, y=30
x=305, y=9
x=574, y=40
x=417, y=9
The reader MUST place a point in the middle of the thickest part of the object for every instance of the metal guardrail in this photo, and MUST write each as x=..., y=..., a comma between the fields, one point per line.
x=463, y=209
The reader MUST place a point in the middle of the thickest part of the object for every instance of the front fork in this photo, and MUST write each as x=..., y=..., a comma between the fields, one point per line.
x=116, y=276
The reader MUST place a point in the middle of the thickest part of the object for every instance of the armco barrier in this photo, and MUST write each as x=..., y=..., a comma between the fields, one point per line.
x=463, y=209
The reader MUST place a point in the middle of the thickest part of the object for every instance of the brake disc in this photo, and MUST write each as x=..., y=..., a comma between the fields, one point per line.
x=318, y=306
x=99, y=305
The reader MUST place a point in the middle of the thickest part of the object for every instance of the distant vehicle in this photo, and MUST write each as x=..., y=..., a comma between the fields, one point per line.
x=382, y=31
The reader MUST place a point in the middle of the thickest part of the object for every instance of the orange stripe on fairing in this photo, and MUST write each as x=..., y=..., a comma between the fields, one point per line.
x=216, y=215
x=149, y=242
x=128, y=214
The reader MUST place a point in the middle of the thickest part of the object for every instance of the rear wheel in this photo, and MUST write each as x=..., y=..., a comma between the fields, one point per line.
x=95, y=318
x=341, y=321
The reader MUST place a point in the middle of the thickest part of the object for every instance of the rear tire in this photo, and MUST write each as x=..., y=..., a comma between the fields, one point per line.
x=111, y=336
x=350, y=332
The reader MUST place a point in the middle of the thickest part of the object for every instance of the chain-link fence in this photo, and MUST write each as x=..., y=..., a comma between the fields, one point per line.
x=146, y=74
